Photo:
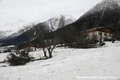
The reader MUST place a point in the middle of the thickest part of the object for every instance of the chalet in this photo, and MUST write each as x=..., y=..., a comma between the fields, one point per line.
x=103, y=33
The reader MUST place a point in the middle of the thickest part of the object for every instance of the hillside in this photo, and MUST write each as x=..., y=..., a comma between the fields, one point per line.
x=69, y=64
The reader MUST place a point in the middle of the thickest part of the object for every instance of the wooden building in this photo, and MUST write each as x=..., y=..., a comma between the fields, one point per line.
x=101, y=33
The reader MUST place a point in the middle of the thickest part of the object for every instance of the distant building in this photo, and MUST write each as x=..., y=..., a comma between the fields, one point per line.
x=101, y=33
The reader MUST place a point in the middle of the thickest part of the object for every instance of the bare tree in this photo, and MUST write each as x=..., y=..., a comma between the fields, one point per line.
x=41, y=40
x=50, y=46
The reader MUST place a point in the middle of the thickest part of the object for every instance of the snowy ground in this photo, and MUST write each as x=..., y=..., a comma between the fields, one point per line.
x=69, y=64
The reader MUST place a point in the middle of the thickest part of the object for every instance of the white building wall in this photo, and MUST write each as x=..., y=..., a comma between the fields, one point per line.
x=97, y=34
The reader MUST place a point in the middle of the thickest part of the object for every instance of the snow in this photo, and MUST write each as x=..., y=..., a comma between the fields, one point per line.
x=70, y=64
x=3, y=56
x=2, y=78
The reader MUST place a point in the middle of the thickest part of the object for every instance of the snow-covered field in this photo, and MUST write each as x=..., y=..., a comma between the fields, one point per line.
x=69, y=64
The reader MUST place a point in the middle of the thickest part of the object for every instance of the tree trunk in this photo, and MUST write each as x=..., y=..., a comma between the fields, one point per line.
x=49, y=51
x=35, y=46
x=45, y=55
x=50, y=55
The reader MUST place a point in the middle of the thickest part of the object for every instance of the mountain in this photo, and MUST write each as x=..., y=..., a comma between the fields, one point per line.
x=4, y=34
x=48, y=26
x=57, y=22
x=105, y=13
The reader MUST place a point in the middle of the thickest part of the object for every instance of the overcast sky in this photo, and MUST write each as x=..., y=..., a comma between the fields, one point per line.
x=15, y=13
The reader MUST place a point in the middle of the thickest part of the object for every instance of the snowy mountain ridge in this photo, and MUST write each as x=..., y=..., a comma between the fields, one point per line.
x=4, y=34
x=105, y=4
x=58, y=22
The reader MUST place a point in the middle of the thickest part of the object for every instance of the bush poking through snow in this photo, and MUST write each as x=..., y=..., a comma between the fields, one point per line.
x=18, y=57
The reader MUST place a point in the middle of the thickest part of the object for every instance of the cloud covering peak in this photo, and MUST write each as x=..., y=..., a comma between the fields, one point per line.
x=20, y=12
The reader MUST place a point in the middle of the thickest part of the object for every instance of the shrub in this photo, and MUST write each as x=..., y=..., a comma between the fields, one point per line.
x=18, y=57
x=82, y=45
x=5, y=51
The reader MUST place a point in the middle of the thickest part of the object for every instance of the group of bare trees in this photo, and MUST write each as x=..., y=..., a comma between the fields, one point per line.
x=40, y=38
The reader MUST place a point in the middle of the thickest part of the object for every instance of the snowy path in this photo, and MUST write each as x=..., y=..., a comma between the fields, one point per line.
x=70, y=64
